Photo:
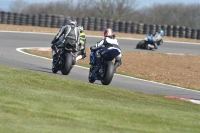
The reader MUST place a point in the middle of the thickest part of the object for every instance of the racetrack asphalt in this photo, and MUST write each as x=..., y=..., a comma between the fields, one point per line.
x=10, y=41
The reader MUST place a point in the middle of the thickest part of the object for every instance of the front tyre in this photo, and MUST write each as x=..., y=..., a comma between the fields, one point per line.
x=67, y=64
x=91, y=77
x=54, y=70
x=108, y=73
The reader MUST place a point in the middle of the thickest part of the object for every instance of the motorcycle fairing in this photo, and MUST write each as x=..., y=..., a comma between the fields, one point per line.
x=149, y=38
x=110, y=53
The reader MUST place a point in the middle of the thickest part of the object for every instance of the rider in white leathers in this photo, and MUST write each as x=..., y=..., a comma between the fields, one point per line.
x=110, y=41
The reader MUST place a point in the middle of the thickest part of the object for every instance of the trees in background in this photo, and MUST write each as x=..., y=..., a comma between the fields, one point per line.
x=172, y=14
x=118, y=10
x=18, y=5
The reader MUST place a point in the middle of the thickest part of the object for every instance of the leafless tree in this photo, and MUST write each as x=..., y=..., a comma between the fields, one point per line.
x=83, y=8
x=114, y=9
x=119, y=10
x=18, y=5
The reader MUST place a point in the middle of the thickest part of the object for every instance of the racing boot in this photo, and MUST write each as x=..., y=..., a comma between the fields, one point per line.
x=117, y=63
x=155, y=46
x=83, y=53
x=150, y=47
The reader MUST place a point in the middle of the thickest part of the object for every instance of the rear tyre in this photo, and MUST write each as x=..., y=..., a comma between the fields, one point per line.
x=67, y=64
x=108, y=73
x=141, y=44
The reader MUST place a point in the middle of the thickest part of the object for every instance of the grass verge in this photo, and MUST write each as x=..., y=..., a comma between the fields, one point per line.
x=38, y=102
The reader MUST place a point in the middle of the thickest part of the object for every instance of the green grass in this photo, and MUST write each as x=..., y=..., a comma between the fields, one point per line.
x=37, y=102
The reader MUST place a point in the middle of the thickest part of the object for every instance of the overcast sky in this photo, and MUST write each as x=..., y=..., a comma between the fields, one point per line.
x=4, y=4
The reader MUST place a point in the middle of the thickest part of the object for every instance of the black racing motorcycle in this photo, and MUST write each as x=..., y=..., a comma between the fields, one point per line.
x=101, y=65
x=66, y=56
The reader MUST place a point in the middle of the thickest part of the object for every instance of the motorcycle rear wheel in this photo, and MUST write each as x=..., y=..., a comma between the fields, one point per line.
x=67, y=64
x=108, y=73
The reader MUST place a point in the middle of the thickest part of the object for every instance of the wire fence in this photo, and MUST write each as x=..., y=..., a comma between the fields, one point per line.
x=96, y=24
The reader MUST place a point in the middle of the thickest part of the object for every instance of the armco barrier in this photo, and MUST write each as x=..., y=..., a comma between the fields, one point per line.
x=97, y=24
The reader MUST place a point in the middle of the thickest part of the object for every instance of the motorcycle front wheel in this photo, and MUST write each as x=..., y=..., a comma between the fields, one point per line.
x=108, y=73
x=90, y=77
x=54, y=70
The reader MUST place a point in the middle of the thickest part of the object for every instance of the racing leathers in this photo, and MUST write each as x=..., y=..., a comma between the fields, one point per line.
x=111, y=43
x=83, y=42
x=157, y=40
x=68, y=33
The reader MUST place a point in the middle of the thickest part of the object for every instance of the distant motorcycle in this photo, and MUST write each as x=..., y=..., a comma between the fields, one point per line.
x=66, y=57
x=104, y=70
x=146, y=43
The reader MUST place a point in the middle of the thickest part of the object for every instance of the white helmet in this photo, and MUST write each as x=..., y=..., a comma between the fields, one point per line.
x=80, y=27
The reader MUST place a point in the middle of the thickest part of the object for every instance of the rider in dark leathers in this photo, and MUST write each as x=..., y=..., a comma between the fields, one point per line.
x=67, y=32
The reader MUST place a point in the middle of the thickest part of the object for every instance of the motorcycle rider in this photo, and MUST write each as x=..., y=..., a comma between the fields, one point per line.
x=82, y=41
x=157, y=39
x=69, y=31
x=109, y=41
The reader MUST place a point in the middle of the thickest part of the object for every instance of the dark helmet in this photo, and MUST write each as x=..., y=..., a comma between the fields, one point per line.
x=72, y=22
x=109, y=33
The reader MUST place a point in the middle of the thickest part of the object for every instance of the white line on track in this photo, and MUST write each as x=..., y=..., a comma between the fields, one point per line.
x=21, y=50
x=180, y=54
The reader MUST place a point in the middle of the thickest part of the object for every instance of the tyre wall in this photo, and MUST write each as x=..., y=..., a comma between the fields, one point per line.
x=97, y=24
